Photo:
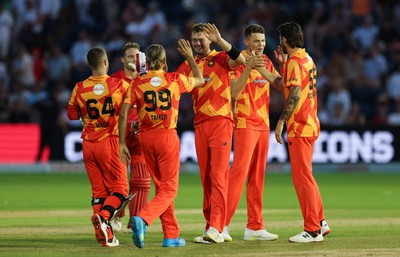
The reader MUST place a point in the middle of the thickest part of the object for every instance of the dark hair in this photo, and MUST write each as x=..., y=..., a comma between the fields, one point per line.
x=293, y=34
x=198, y=27
x=154, y=55
x=253, y=28
x=128, y=46
x=96, y=56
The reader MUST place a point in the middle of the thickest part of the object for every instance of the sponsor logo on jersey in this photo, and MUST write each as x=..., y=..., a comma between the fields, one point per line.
x=155, y=81
x=98, y=89
x=260, y=81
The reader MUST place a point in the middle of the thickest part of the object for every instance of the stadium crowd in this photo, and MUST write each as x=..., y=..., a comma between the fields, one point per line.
x=43, y=46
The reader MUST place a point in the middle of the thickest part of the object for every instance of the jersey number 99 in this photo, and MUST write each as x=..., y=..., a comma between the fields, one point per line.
x=151, y=98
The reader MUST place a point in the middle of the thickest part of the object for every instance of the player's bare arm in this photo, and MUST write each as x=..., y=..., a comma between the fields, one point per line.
x=275, y=80
x=185, y=50
x=239, y=84
x=213, y=34
x=291, y=103
x=123, y=149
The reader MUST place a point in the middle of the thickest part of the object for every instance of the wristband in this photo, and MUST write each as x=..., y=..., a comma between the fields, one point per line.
x=233, y=53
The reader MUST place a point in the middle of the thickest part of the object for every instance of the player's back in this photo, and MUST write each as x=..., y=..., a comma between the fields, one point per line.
x=157, y=96
x=100, y=100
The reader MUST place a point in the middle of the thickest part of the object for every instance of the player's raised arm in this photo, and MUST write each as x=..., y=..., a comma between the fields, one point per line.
x=213, y=34
x=185, y=50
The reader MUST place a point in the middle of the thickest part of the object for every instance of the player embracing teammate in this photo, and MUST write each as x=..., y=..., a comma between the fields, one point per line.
x=156, y=96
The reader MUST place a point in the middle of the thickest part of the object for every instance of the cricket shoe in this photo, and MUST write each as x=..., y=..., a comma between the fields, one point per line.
x=100, y=228
x=213, y=235
x=116, y=224
x=112, y=240
x=225, y=234
x=258, y=235
x=173, y=242
x=306, y=237
x=325, y=229
x=200, y=239
x=139, y=230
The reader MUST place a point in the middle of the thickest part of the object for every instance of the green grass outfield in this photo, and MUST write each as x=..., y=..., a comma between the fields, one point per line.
x=49, y=215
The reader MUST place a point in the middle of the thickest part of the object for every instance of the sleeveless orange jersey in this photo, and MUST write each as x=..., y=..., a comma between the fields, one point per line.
x=214, y=97
x=132, y=114
x=98, y=100
x=300, y=71
x=157, y=95
x=252, y=106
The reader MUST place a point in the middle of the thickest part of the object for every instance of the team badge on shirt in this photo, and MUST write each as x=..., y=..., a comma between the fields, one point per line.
x=211, y=63
x=98, y=89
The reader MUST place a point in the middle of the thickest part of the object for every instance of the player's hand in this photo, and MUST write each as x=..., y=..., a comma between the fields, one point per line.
x=278, y=131
x=124, y=154
x=212, y=32
x=185, y=49
x=255, y=61
x=280, y=56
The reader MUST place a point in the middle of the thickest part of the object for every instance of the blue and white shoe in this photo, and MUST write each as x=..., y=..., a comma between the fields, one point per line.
x=138, y=227
x=173, y=242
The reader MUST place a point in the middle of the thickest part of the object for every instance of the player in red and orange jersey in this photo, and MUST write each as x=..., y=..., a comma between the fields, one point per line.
x=139, y=182
x=97, y=100
x=300, y=115
x=157, y=94
x=213, y=124
x=251, y=133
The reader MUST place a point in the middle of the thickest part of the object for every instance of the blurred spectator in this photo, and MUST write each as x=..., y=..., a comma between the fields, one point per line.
x=20, y=111
x=38, y=63
x=78, y=51
x=338, y=101
x=22, y=68
x=356, y=117
x=315, y=29
x=138, y=28
x=375, y=66
x=51, y=132
x=353, y=65
x=82, y=8
x=6, y=24
x=57, y=66
x=393, y=84
x=366, y=34
x=97, y=13
x=323, y=114
x=380, y=117
x=4, y=75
